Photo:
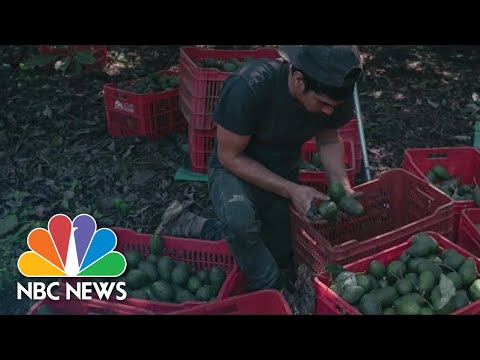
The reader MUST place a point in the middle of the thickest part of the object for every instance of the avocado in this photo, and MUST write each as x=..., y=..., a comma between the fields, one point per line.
x=395, y=270
x=180, y=275
x=476, y=197
x=408, y=307
x=423, y=245
x=205, y=293
x=413, y=278
x=193, y=284
x=426, y=311
x=187, y=266
x=431, y=176
x=336, y=288
x=426, y=282
x=184, y=295
x=328, y=210
x=153, y=259
x=377, y=269
x=383, y=283
x=315, y=161
x=350, y=206
x=136, y=279
x=403, y=286
x=353, y=293
x=217, y=277
x=474, y=290
x=149, y=269
x=405, y=257
x=440, y=172
x=465, y=189
x=139, y=294
x=373, y=281
x=389, y=311
x=370, y=305
x=456, y=279
x=460, y=300
x=387, y=296
x=165, y=267
x=434, y=259
x=435, y=269
x=365, y=282
x=335, y=191
x=468, y=271
x=412, y=265
x=133, y=258
x=446, y=188
x=229, y=67
x=149, y=292
x=163, y=291
x=202, y=275
x=409, y=304
x=453, y=262
x=447, y=252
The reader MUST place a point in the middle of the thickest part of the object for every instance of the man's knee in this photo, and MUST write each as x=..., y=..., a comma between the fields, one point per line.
x=241, y=220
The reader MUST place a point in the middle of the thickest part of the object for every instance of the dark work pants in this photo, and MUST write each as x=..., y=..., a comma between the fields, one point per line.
x=256, y=225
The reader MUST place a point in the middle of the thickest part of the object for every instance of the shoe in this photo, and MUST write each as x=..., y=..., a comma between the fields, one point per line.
x=177, y=221
x=186, y=225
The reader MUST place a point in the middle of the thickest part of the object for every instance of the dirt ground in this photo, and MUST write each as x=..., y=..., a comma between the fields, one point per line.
x=56, y=155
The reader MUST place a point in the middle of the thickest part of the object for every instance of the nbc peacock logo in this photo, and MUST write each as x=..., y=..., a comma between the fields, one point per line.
x=71, y=249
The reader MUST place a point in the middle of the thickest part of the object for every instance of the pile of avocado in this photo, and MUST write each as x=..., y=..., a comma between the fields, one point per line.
x=158, y=277
x=227, y=65
x=425, y=280
x=450, y=185
x=349, y=205
x=153, y=83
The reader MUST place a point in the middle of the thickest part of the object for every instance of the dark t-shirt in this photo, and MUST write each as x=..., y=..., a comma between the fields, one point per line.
x=256, y=101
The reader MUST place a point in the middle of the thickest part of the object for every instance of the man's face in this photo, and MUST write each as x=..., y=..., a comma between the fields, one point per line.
x=313, y=102
x=318, y=103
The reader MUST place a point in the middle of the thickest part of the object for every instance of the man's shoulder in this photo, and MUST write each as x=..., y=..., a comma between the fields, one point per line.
x=261, y=73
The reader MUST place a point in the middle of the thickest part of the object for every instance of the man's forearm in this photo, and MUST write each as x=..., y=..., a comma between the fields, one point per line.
x=255, y=173
x=331, y=153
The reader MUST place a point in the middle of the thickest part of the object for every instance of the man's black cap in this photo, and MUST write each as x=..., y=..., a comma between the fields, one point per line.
x=332, y=65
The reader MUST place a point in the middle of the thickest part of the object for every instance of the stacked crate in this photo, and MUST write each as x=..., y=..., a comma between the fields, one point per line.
x=202, y=73
x=147, y=107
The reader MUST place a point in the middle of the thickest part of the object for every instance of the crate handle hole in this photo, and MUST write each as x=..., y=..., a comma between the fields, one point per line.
x=437, y=156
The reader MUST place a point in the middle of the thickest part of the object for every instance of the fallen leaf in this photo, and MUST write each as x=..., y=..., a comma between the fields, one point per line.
x=47, y=112
x=433, y=104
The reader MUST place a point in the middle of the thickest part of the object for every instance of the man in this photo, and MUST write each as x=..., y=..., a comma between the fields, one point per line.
x=265, y=113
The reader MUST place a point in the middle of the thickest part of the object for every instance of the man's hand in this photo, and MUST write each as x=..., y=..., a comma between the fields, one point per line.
x=350, y=192
x=303, y=197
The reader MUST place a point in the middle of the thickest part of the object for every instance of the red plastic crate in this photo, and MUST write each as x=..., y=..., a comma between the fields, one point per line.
x=149, y=115
x=319, y=179
x=202, y=254
x=100, y=52
x=200, y=146
x=329, y=303
x=462, y=162
x=397, y=205
x=200, y=87
x=468, y=235
x=75, y=306
x=350, y=132
x=262, y=302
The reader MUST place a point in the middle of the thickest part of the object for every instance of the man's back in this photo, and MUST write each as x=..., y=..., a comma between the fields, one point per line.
x=256, y=101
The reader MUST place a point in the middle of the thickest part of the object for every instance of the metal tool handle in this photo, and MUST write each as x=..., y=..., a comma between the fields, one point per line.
x=366, y=166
